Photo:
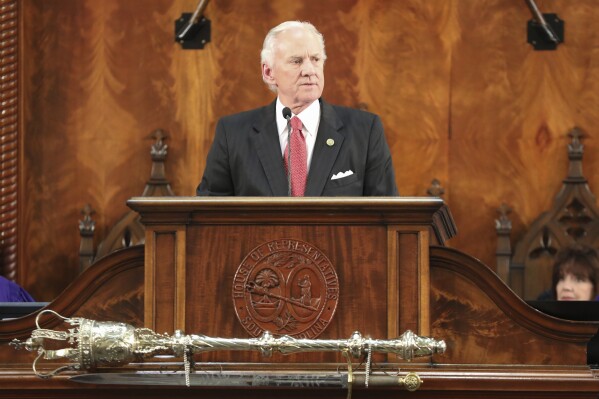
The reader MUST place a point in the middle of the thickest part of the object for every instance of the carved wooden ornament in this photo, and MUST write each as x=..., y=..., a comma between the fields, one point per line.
x=286, y=287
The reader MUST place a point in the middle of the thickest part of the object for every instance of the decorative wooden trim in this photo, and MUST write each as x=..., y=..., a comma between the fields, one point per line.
x=149, y=280
x=424, y=283
x=180, y=273
x=392, y=283
x=403, y=295
x=169, y=314
x=9, y=116
x=435, y=189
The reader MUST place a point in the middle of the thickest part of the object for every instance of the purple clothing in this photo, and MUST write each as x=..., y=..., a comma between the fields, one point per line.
x=12, y=292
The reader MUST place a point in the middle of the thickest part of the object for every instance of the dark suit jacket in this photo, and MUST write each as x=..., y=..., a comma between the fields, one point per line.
x=245, y=158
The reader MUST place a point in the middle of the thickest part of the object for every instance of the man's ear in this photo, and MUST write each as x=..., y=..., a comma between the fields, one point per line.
x=268, y=74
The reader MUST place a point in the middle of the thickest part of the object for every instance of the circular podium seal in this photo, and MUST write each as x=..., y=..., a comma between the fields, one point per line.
x=287, y=287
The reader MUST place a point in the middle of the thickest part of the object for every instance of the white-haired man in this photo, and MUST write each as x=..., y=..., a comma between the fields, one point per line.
x=299, y=144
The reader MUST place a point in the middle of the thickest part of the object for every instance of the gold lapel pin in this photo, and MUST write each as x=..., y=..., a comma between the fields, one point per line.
x=330, y=142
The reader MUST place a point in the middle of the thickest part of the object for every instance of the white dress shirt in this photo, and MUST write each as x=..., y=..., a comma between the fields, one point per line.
x=310, y=118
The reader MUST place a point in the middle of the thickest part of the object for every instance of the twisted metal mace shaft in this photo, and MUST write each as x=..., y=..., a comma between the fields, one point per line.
x=94, y=344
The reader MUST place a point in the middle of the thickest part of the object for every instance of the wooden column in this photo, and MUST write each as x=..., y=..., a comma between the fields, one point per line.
x=408, y=281
x=164, y=287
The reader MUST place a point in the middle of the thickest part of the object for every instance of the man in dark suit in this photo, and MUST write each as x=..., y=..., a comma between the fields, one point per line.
x=343, y=150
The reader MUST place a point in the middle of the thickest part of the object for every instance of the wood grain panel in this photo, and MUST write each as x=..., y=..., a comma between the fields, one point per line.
x=511, y=110
x=463, y=98
x=213, y=282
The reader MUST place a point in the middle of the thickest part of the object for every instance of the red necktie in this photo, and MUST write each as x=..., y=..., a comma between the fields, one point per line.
x=299, y=167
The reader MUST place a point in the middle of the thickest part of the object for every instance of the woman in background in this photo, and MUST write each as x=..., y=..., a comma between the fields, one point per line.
x=12, y=292
x=576, y=274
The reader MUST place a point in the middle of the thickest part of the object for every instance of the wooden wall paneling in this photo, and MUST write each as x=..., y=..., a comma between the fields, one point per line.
x=484, y=111
x=401, y=72
x=571, y=98
x=193, y=95
x=69, y=122
x=98, y=109
x=55, y=96
x=511, y=109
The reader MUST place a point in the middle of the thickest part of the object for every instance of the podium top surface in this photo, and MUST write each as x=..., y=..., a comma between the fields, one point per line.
x=424, y=211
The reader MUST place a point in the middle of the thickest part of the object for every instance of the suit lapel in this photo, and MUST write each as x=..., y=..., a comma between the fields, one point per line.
x=324, y=155
x=267, y=145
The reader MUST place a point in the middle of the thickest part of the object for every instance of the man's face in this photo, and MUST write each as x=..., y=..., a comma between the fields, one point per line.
x=297, y=69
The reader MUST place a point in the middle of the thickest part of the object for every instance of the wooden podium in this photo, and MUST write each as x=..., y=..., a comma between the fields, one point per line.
x=379, y=248
x=227, y=267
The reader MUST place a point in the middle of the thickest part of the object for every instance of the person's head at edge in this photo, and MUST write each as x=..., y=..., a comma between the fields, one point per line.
x=292, y=59
x=576, y=274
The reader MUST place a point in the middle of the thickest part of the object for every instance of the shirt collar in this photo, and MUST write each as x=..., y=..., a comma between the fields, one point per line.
x=310, y=117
